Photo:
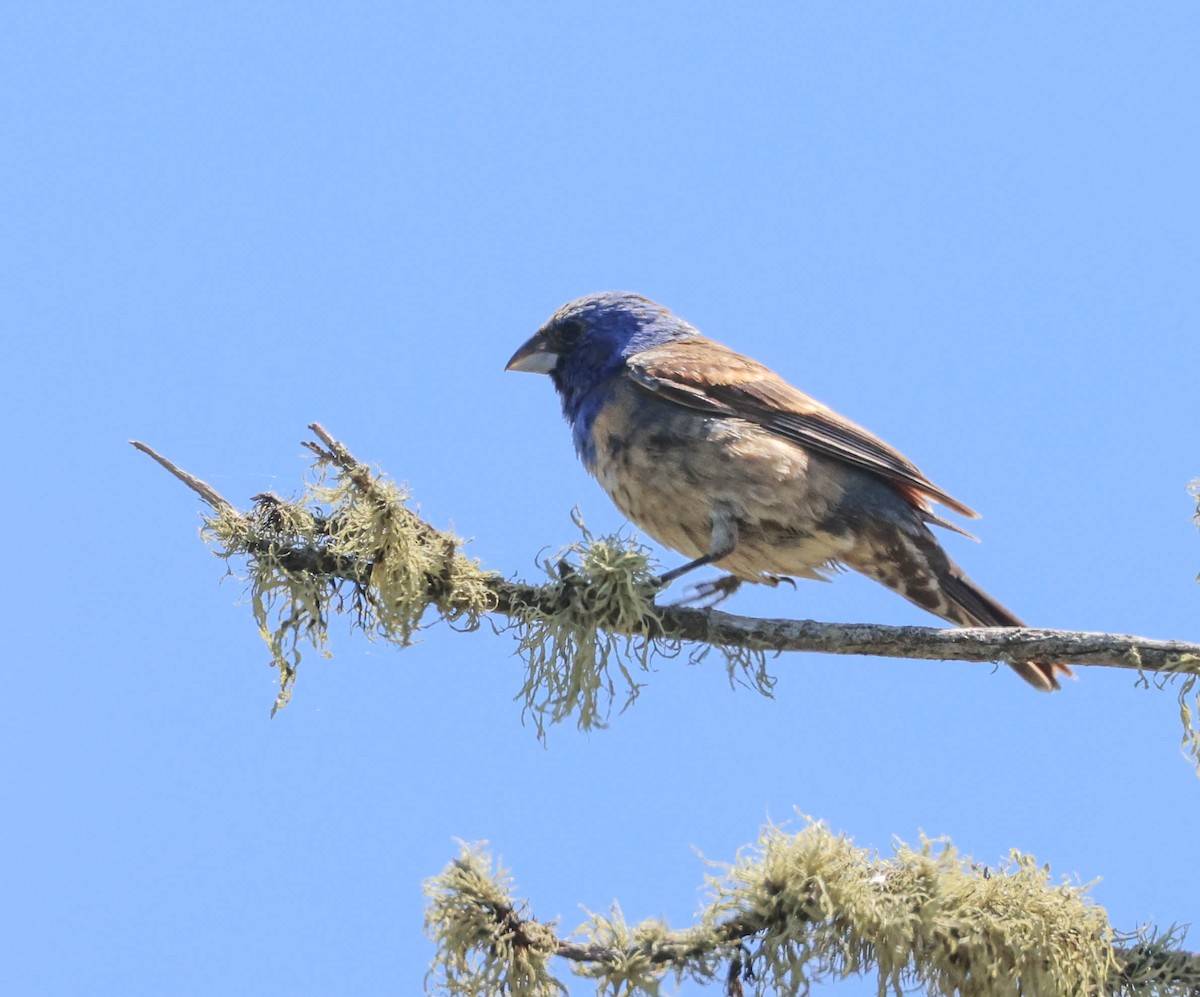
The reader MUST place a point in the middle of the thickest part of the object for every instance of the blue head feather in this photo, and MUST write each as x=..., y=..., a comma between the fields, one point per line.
x=596, y=334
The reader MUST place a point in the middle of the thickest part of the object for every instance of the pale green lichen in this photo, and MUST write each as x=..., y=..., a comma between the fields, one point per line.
x=289, y=606
x=580, y=655
x=1184, y=669
x=635, y=963
x=574, y=665
x=350, y=545
x=925, y=917
x=1189, y=719
x=746, y=666
x=484, y=945
x=410, y=565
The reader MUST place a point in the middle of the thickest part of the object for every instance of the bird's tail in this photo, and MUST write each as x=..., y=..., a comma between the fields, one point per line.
x=914, y=565
x=970, y=606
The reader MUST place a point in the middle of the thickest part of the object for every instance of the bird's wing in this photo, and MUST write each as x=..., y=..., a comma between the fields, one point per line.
x=708, y=377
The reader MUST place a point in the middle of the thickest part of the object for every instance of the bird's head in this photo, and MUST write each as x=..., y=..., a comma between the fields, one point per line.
x=584, y=344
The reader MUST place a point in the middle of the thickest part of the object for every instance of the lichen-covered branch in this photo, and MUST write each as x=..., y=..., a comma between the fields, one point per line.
x=590, y=631
x=800, y=908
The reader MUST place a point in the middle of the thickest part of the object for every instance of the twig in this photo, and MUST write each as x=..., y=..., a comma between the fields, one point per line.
x=201, y=488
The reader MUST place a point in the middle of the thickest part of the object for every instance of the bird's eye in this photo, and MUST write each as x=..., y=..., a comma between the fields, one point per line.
x=570, y=333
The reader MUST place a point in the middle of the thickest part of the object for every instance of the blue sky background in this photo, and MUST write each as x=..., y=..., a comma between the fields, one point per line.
x=974, y=229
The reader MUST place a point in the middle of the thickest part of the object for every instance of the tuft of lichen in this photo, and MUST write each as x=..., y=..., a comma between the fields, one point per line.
x=630, y=967
x=575, y=665
x=1189, y=718
x=745, y=666
x=484, y=945
x=640, y=958
x=350, y=542
x=925, y=917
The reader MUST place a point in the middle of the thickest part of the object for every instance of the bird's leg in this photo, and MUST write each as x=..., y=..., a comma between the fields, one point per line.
x=724, y=540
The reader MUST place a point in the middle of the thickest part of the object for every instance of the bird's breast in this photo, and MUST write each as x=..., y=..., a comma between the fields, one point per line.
x=667, y=467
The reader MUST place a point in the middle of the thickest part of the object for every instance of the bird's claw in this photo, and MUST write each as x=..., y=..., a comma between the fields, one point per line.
x=706, y=595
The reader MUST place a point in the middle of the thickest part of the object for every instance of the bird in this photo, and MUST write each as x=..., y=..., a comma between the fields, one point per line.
x=719, y=458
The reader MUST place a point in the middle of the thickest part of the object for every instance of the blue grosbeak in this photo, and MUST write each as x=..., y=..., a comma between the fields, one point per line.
x=719, y=458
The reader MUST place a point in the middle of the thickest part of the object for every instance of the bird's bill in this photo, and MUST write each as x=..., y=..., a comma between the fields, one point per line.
x=534, y=357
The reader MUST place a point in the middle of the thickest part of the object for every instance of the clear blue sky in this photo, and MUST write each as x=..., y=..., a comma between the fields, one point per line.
x=974, y=229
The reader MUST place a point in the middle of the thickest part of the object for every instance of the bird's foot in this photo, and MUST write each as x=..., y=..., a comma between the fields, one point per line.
x=706, y=595
x=774, y=580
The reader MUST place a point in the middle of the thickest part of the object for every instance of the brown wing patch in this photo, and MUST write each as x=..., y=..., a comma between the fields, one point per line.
x=709, y=377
